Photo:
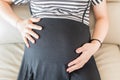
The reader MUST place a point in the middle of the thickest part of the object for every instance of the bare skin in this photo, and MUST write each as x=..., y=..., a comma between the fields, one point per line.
x=25, y=26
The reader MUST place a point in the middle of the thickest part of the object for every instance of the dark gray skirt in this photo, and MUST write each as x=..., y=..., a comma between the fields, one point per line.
x=48, y=58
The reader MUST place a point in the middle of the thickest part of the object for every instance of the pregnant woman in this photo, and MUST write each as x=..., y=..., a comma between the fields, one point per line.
x=57, y=37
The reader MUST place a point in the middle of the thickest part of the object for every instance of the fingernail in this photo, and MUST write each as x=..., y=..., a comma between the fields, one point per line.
x=68, y=65
x=33, y=42
x=38, y=37
x=28, y=46
x=77, y=51
x=67, y=70
x=40, y=28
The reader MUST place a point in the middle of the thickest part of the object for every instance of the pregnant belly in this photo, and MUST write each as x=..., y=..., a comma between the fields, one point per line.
x=58, y=40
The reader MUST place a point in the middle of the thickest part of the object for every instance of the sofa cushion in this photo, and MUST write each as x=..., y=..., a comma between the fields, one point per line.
x=10, y=60
x=108, y=62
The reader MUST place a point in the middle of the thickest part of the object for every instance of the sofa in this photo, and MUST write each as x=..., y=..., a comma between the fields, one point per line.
x=107, y=57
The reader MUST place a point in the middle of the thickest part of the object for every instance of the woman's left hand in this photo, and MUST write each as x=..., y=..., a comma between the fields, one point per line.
x=87, y=50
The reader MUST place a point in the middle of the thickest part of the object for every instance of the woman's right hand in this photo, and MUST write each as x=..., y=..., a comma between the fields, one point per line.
x=25, y=27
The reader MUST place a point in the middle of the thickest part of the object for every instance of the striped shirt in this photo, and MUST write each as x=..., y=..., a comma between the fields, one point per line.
x=71, y=9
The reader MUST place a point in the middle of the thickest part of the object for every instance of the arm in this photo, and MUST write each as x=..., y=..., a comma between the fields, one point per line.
x=100, y=31
x=101, y=26
x=7, y=13
x=25, y=26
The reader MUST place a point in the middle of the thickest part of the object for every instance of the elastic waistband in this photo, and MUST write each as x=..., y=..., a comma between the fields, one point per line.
x=62, y=21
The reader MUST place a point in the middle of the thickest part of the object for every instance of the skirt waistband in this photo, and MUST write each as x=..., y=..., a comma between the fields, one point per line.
x=62, y=21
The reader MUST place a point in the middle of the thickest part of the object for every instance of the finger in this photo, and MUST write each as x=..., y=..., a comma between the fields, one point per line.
x=30, y=38
x=77, y=60
x=35, y=19
x=26, y=42
x=84, y=57
x=33, y=26
x=88, y=56
x=32, y=33
x=79, y=50
x=73, y=68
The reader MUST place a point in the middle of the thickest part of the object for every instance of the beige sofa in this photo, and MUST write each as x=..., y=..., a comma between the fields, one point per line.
x=107, y=58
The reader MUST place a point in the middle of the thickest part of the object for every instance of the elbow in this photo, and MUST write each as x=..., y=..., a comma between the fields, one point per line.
x=5, y=2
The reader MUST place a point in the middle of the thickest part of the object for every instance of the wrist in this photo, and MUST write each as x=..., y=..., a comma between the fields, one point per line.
x=96, y=41
x=17, y=23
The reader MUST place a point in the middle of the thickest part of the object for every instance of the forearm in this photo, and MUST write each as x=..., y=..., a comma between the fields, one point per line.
x=101, y=29
x=8, y=14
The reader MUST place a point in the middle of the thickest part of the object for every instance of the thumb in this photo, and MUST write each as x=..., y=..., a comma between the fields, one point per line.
x=34, y=19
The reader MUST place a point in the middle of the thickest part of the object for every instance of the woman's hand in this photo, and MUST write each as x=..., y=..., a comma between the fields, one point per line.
x=87, y=50
x=25, y=27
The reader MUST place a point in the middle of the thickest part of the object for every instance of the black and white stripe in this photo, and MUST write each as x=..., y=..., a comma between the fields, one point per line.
x=19, y=2
x=95, y=2
x=71, y=9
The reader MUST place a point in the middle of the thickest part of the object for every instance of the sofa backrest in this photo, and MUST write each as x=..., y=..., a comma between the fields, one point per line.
x=9, y=34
